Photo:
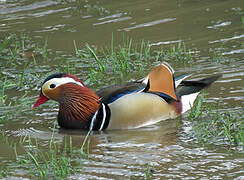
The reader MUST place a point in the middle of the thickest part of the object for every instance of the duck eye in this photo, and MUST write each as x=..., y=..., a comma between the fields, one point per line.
x=52, y=86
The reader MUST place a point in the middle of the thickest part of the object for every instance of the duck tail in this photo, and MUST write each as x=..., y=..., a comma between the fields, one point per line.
x=190, y=87
x=189, y=90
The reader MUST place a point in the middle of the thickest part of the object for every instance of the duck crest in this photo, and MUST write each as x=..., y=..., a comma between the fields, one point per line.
x=77, y=106
x=162, y=80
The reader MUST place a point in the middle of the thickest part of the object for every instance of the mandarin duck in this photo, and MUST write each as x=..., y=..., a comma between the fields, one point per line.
x=158, y=96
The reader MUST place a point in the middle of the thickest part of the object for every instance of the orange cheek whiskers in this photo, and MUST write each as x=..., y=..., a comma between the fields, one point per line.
x=81, y=103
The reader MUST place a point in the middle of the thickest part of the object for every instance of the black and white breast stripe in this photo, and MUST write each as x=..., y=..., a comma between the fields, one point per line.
x=100, y=119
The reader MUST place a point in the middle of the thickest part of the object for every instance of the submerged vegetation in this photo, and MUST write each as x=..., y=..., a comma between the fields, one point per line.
x=56, y=160
x=27, y=61
x=128, y=57
x=24, y=63
x=210, y=125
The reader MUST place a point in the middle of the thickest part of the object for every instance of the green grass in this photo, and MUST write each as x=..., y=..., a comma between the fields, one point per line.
x=27, y=57
x=4, y=171
x=211, y=126
x=5, y=139
x=21, y=47
x=85, y=147
x=149, y=172
x=117, y=60
x=56, y=162
x=120, y=60
x=44, y=51
x=83, y=9
x=242, y=19
x=5, y=85
x=5, y=43
x=178, y=52
x=217, y=56
x=113, y=60
x=18, y=72
x=128, y=57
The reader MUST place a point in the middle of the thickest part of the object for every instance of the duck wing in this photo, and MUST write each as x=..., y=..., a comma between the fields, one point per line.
x=114, y=92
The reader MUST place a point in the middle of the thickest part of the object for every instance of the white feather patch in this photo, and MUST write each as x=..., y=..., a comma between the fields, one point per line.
x=165, y=64
x=180, y=80
x=145, y=81
x=63, y=80
x=187, y=101
x=92, y=121
x=58, y=82
x=104, y=117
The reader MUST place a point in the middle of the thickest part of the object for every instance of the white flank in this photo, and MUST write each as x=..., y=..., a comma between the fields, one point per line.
x=187, y=101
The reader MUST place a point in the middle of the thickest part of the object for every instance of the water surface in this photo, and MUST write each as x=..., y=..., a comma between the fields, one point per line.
x=168, y=148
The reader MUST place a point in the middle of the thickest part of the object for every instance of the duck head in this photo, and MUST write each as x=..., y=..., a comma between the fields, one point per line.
x=77, y=103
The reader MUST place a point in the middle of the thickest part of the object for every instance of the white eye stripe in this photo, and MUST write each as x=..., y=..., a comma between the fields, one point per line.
x=60, y=81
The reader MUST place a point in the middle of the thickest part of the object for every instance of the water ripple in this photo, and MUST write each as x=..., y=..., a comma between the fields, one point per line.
x=227, y=39
x=165, y=42
x=236, y=51
x=219, y=25
x=48, y=12
x=36, y=5
x=111, y=16
x=152, y=23
x=113, y=20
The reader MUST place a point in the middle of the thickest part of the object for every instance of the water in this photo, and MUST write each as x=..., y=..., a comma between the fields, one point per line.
x=167, y=148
